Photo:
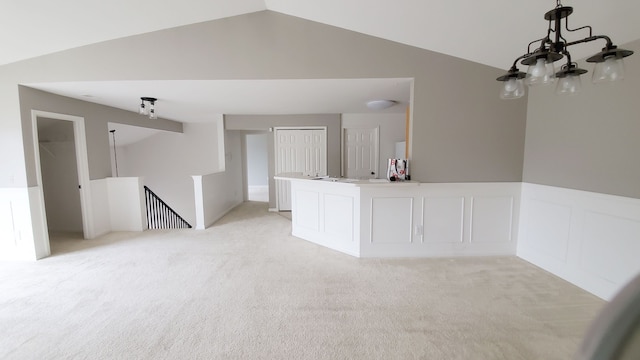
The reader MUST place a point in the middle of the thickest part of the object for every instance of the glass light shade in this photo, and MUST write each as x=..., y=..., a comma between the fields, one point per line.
x=612, y=69
x=142, y=110
x=569, y=84
x=540, y=73
x=152, y=112
x=512, y=89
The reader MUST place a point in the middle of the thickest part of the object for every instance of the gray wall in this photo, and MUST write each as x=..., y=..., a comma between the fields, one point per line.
x=167, y=161
x=257, y=159
x=589, y=141
x=266, y=122
x=96, y=128
x=461, y=130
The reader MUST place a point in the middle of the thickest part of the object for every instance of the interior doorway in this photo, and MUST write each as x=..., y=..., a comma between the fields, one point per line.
x=257, y=169
x=59, y=170
x=62, y=172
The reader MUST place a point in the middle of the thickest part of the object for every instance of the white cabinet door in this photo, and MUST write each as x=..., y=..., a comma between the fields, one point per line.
x=299, y=151
x=361, y=153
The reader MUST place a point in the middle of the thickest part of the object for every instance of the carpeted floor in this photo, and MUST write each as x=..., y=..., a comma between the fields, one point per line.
x=246, y=289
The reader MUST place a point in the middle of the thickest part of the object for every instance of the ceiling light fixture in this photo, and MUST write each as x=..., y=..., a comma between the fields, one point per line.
x=380, y=104
x=148, y=107
x=553, y=47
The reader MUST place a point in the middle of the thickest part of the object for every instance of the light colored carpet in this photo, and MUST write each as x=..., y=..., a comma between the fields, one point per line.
x=246, y=289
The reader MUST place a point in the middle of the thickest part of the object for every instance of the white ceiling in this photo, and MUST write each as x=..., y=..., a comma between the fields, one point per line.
x=198, y=101
x=491, y=32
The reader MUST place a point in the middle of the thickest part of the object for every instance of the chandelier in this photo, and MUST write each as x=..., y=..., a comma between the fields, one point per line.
x=553, y=47
x=148, y=107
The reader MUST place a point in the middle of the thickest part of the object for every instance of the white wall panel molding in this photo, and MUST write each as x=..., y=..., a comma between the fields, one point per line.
x=491, y=219
x=589, y=239
x=338, y=224
x=391, y=220
x=327, y=214
x=443, y=220
x=407, y=219
x=308, y=202
x=16, y=228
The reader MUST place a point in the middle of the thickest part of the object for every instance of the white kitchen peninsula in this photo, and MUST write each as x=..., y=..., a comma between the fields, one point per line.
x=405, y=219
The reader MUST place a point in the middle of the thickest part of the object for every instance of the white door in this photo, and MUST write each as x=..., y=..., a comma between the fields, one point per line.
x=361, y=153
x=298, y=151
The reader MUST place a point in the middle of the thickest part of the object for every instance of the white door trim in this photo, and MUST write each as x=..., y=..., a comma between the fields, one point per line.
x=82, y=163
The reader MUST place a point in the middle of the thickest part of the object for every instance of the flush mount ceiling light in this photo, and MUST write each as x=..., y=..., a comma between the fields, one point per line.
x=380, y=104
x=553, y=47
x=147, y=107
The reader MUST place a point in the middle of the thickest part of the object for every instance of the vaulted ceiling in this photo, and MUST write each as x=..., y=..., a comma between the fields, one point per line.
x=490, y=32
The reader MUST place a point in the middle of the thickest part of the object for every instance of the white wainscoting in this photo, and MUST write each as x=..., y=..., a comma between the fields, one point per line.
x=100, y=211
x=432, y=220
x=16, y=224
x=327, y=214
x=126, y=204
x=443, y=220
x=391, y=220
x=589, y=239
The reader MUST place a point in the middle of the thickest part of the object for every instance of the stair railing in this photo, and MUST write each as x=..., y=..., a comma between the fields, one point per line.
x=160, y=215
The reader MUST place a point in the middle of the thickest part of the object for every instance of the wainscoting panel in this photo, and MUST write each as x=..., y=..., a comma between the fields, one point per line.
x=16, y=235
x=440, y=220
x=611, y=247
x=549, y=224
x=391, y=220
x=326, y=214
x=491, y=219
x=309, y=203
x=338, y=225
x=589, y=239
x=443, y=219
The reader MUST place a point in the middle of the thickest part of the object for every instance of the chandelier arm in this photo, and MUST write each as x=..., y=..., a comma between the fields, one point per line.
x=566, y=26
x=514, y=67
x=542, y=42
x=592, y=38
x=568, y=55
